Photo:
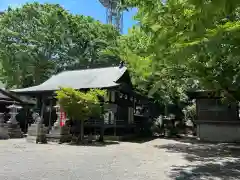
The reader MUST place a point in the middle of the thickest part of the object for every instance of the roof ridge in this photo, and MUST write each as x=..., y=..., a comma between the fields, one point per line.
x=87, y=69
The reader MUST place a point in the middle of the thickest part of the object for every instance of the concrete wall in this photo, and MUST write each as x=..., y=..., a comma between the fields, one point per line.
x=218, y=132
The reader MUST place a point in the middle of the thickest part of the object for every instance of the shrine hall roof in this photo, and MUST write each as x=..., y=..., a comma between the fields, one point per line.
x=7, y=97
x=79, y=79
x=4, y=95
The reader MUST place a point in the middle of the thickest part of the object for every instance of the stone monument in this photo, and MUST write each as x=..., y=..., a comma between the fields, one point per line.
x=3, y=128
x=14, y=130
x=37, y=131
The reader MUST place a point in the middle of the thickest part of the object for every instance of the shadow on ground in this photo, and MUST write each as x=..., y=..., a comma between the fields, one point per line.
x=139, y=140
x=95, y=144
x=206, y=160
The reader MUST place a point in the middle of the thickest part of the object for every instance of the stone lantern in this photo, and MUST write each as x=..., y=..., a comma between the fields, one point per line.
x=13, y=112
x=13, y=126
x=3, y=128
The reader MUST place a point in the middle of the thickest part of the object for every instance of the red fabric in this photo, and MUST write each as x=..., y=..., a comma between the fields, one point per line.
x=62, y=118
x=62, y=123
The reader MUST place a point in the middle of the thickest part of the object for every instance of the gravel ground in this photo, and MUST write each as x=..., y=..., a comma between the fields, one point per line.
x=159, y=159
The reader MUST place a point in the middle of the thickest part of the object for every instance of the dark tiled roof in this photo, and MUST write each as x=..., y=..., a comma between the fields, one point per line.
x=80, y=79
x=6, y=96
x=3, y=96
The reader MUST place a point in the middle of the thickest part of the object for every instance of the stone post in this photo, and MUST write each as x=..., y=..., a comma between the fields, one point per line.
x=3, y=128
x=14, y=130
x=57, y=133
x=56, y=129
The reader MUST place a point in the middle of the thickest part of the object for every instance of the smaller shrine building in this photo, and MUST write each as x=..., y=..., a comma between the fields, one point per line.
x=217, y=119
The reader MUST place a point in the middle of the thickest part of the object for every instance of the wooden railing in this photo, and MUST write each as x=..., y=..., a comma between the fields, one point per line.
x=120, y=122
x=98, y=122
x=93, y=122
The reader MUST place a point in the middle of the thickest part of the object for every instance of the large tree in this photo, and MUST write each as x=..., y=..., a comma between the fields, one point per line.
x=151, y=74
x=196, y=40
x=39, y=40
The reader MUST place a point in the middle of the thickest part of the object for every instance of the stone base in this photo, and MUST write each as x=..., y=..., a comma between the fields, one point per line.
x=219, y=132
x=59, y=135
x=14, y=131
x=4, y=132
x=37, y=134
x=120, y=138
x=59, y=138
x=31, y=139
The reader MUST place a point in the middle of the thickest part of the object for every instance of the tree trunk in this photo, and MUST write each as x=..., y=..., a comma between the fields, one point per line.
x=82, y=130
x=41, y=136
x=101, y=139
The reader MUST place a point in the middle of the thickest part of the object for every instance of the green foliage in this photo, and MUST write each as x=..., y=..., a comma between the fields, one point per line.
x=194, y=43
x=151, y=74
x=132, y=49
x=80, y=105
x=190, y=111
x=177, y=45
x=39, y=40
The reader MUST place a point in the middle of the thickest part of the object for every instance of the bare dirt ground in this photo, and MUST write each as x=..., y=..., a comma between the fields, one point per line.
x=159, y=159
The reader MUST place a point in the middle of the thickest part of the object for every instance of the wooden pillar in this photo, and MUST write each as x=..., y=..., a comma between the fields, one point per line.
x=115, y=125
x=42, y=109
x=50, y=115
x=39, y=104
x=26, y=109
x=101, y=138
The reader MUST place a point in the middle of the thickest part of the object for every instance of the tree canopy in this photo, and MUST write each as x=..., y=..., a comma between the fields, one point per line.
x=39, y=40
x=177, y=45
x=80, y=105
x=192, y=44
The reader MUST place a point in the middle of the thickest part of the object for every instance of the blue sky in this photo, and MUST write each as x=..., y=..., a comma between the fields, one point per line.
x=86, y=7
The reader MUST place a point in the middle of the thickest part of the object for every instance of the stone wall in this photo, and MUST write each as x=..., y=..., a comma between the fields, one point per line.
x=219, y=132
